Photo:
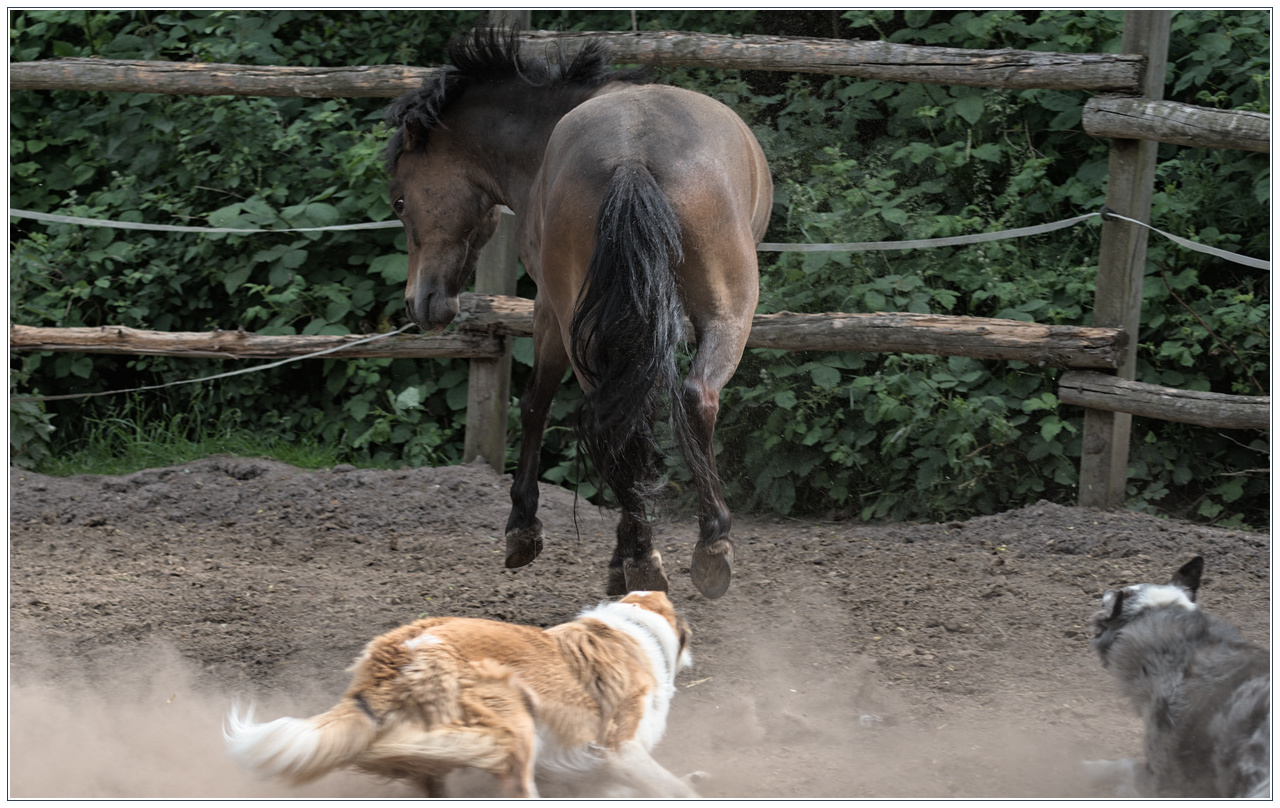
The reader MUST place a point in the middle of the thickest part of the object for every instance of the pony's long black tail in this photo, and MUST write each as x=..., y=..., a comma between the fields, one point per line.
x=626, y=328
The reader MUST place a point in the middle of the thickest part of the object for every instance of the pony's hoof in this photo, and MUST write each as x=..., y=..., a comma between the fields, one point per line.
x=523, y=545
x=616, y=585
x=645, y=575
x=712, y=568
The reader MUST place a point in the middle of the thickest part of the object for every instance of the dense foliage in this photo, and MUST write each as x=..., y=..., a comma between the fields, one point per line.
x=880, y=436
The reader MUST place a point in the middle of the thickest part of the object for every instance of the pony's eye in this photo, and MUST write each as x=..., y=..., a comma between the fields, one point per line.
x=398, y=206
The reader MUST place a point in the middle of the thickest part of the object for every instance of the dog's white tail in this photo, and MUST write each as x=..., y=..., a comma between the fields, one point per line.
x=299, y=749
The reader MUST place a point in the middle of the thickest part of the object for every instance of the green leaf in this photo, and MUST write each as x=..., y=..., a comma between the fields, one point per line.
x=970, y=108
x=337, y=309
x=990, y=152
x=235, y=278
x=916, y=17
x=293, y=259
x=358, y=408
x=393, y=268
x=227, y=217
x=895, y=215
x=456, y=397
x=825, y=377
x=409, y=398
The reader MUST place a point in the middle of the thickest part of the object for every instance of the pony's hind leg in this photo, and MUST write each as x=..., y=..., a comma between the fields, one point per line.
x=636, y=564
x=720, y=346
x=712, y=564
x=524, y=529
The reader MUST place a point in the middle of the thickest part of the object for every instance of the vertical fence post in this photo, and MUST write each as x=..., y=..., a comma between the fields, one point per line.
x=1122, y=261
x=489, y=380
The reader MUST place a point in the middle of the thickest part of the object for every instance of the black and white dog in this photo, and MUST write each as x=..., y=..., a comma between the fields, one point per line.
x=1204, y=694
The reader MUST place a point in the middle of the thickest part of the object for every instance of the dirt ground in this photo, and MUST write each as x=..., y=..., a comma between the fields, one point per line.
x=847, y=660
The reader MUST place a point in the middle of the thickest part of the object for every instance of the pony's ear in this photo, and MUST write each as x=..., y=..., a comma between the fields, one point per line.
x=413, y=135
x=1188, y=576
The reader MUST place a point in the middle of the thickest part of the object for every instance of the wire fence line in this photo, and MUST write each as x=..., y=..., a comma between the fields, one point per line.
x=868, y=246
x=948, y=241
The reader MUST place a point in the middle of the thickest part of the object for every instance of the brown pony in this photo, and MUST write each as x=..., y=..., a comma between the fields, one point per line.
x=636, y=206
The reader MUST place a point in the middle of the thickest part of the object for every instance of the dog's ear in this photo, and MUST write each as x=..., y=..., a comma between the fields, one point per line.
x=1116, y=605
x=1188, y=576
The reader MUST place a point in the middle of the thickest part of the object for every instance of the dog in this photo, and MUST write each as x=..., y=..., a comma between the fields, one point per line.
x=579, y=703
x=1204, y=694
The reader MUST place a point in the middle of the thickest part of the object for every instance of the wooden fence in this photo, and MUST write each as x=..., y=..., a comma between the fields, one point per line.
x=1132, y=115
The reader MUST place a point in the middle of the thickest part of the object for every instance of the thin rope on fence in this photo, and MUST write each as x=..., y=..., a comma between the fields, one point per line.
x=868, y=246
x=926, y=243
x=181, y=228
x=1191, y=245
x=253, y=369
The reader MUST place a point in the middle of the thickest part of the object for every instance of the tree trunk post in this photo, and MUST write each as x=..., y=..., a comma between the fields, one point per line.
x=1122, y=260
x=489, y=380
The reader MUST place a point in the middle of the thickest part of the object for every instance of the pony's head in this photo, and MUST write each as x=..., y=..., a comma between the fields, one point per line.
x=447, y=162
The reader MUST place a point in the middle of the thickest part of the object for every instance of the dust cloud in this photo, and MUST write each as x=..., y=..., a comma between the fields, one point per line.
x=142, y=727
x=839, y=731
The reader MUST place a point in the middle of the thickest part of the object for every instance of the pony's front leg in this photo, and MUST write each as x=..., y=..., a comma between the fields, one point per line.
x=524, y=529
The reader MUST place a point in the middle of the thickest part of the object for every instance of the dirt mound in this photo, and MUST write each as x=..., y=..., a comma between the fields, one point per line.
x=847, y=660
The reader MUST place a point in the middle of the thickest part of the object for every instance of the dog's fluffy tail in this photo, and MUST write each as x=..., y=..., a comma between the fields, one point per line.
x=299, y=749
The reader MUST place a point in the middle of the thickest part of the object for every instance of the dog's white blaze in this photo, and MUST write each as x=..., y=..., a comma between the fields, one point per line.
x=425, y=638
x=1153, y=596
x=662, y=647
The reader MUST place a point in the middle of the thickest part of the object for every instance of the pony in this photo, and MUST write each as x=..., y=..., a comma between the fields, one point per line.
x=637, y=206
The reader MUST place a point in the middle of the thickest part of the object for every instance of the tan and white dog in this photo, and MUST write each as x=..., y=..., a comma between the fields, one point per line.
x=585, y=701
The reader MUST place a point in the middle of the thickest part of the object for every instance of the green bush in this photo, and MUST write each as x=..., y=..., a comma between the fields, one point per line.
x=874, y=436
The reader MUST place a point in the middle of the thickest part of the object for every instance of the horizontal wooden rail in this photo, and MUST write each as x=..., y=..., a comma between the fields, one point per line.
x=904, y=332
x=211, y=78
x=483, y=319
x=1009, y=69
x=1003, y=68
x=1099, y=391
x=114, y=339
x=1171, y=122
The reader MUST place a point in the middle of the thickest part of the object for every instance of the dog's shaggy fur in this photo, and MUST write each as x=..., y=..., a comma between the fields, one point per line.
x=1204, y=694
x=582, y=701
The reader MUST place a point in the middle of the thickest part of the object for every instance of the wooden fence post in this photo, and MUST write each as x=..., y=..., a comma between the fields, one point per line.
x=1122, y=261
x=489, y=380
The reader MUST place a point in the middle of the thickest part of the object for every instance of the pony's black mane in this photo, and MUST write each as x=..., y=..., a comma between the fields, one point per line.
x=492, y=54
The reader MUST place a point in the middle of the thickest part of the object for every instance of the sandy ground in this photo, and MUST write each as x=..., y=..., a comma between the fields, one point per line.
x=847, y=660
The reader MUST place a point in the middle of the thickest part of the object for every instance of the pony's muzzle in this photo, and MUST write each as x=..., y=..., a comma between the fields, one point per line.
x=432, y=311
